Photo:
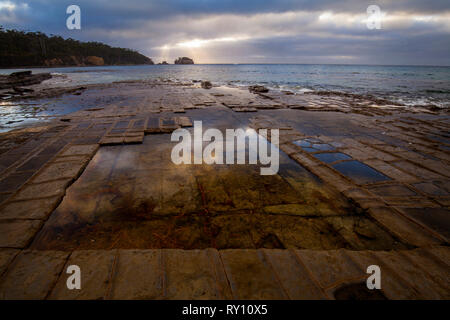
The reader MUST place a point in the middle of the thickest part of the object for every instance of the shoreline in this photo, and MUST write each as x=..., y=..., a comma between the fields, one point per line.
x=369, y=96
x=337, y=101
x=417, y=87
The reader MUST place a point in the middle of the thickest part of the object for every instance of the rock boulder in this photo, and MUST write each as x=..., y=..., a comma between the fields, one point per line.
x=258, y=89
x=206, y=85
x=184, y=60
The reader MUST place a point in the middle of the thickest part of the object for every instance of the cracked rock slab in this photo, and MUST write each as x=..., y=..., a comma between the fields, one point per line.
x=32, y=275
x=29, y=209
x=43, y=190
x=110, y=141
x=138, y=275
x=201, y=277
x=59, y=170
x=96, y=267
x=250, y=275
x=17, y=233
x=6, y=256
x=87, y=149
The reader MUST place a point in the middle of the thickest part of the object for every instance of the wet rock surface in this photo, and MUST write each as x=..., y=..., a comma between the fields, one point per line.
x=196, y=207
x=318, y=223
x=23, y=78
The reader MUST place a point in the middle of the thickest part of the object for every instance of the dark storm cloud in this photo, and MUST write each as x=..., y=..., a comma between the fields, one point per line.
x=417, y=32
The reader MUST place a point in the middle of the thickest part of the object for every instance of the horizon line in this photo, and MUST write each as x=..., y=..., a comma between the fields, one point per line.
x=303, y=63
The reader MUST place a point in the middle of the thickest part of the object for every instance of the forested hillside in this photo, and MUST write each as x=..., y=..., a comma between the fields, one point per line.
x=26, y=49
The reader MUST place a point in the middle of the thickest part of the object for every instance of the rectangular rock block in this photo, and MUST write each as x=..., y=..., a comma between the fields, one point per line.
x=391, y=171
x=32, y=275
x=76, y=158
x=167, y=125
x=250, y=275
x=54, y=171
x=29, y=209
x=402, y=227
x=96, y=267
x=415, y=276
x=87, y=149
x=435, y=268
x=110, y=141
x=17, y=233
x=293, y=275
x=200, y=277
x=330, y=268
x=391, y=285
x=152, y=125
x=138, y=275
x=416, y=170
x=42, y=190
x=133, y=139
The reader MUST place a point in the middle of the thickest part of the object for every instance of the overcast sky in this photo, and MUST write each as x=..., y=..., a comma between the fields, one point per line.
x=251, y=31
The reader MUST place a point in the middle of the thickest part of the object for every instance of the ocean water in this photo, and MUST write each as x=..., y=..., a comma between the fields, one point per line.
x=410, y=85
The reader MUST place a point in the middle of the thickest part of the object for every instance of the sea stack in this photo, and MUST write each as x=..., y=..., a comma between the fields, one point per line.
x=184, y=60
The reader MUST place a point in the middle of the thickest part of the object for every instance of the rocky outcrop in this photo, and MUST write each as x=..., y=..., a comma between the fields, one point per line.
x=23, y=78
x=184, y=60
x=75, y=61
x=55, y=62
x=164, y=62
x=94, y=61
x=258, y=89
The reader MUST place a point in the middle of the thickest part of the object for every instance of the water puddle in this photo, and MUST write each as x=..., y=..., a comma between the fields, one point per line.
x=332, y=157
x=313, y=145
x=359, y=172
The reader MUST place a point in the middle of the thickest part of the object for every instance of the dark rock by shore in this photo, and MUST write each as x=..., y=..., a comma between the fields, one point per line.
x=258, y=89
x=163, y=63
x=206, y=85
x=23, y=78
x=184, y=60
